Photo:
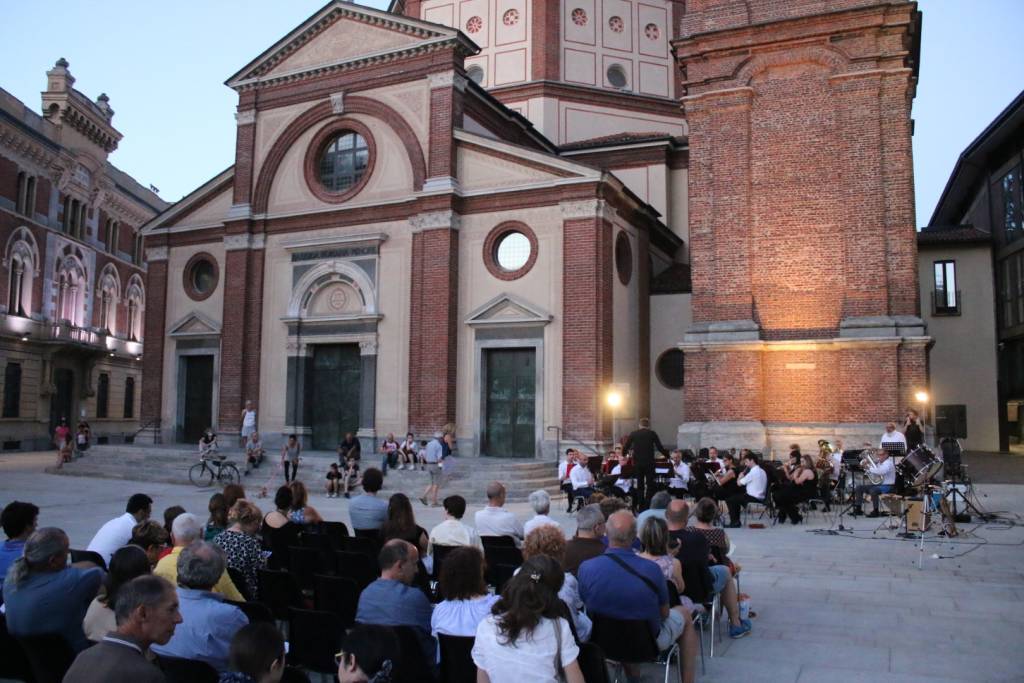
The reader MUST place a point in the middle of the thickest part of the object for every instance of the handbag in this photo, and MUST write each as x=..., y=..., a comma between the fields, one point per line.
x=559, y=671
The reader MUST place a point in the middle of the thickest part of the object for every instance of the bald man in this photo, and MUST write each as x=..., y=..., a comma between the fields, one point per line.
x=495, y=520
x=392, y=600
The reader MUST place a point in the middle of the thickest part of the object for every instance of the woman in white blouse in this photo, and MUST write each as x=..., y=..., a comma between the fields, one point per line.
x=525, y=639
x=466, y=601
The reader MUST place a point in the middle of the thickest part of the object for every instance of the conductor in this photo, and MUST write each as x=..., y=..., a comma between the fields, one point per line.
x=643, y=442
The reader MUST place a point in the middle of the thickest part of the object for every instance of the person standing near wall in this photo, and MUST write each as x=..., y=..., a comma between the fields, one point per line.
x=248, y=423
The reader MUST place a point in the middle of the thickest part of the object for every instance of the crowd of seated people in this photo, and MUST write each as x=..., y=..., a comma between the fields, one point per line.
x=155, y=594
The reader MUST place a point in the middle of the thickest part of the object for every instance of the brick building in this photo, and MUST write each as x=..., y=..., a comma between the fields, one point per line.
x=72, y=292
x=491, y=213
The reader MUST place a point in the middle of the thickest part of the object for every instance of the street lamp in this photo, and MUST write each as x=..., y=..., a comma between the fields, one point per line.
x=921, y=397
x=614, y=400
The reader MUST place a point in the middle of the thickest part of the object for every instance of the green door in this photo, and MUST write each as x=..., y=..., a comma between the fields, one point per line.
x=198, y=397
x=510, y=403
x=336, y=378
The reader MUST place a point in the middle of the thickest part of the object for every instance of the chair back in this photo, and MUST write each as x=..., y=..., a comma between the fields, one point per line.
x=279, y=541
x=314, y=638
x=372, y=534
x=457, y=660
x=304, y=563
x=624, y=640
x=339, y=595
x=279, y=591
x=13, y=662
x=412, y=666
x=178, y=670
x=440, y=552
x=361, y=544
x=592, y=663
x=356, y=566
x=49, y=656
x=315, y=539
x=89, y=556
x=337, y=532
x=253, y=611
x=241, y=584
x=673, y=594
x=498, y=542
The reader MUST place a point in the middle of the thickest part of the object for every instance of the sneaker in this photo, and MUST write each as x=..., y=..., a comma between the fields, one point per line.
x=874, y=513
x=424, y=501
x=747, y=624
x=736, y=632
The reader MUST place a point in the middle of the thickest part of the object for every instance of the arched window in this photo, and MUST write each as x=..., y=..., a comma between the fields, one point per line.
x=71, y=286
x=109, y=296
x=26, y=201
x=136, y=297
x=112, y=230
x=21, y=259
x=137, y=249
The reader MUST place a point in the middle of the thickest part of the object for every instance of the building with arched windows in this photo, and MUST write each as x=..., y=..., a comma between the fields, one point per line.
x=72, y=273
x=495, y=213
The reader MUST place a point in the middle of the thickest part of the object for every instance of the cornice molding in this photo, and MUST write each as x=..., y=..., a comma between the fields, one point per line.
x=435, y=220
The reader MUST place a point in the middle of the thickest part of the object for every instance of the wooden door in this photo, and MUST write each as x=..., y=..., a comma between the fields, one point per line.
x=510, y=403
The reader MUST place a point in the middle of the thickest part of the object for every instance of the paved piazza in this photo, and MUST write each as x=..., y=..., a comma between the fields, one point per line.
x=830, y=608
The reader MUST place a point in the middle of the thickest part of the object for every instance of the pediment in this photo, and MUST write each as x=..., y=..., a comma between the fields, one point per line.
x=507, y=309
x=339, y=32
x=195, y=324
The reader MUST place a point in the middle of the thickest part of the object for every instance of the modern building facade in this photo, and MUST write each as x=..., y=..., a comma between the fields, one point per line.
x=493, y=213
x=72, y=275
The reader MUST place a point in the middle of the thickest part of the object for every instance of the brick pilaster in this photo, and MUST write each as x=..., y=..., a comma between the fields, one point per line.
x=245, y=145
x=545, y=40
x=241, y=328
x=153, y=335
x=446, y=110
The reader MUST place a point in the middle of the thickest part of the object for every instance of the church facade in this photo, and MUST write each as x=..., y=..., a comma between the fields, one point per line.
x=497, y=213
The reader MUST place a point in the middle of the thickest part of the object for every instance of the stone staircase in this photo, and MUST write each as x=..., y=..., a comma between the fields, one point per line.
x=170, y=464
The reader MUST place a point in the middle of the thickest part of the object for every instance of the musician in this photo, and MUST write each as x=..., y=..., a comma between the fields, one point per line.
x=679, y=484
x=713, y=459
x=728, y=476
x=895, y=440
x=837, y=460
x=755, y=482
x=883, y=468
x=643, y=442
x=581, y=478
x=801, y=484
x=622, y=486
x=564, y=468
x=913, y=433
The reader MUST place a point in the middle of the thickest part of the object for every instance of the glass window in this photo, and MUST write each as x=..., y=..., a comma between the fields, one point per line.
x=102, y=395
x=623, y=258
x=616, y=76
x=12, y=390
x=946, y=296
x=343, y=162
x=670, y=369
x=204, y=279
x=476, y=74
x=129, y=398
x=1006, y=203
x=513, y=251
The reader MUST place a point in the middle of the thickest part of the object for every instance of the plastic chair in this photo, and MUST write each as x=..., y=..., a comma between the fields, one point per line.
x=339, y=595
x=13, y=662
x=457, y=661
x=279, y=591
x=361, y=544
x=49, y=656
x=498, y=542
x=501, y=555
x=500, y=575
x=315, y=540
x=178, y=670
x=629, y=641
x=314, y=637
x=337, y=532
x=89, y=556
x=413, y=666
x=279, y=541
x=304, y=563
x=241, y=584
x=592, y=663
x=357, y=567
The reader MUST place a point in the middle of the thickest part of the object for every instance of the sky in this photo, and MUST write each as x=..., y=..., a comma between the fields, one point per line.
x=163, y=65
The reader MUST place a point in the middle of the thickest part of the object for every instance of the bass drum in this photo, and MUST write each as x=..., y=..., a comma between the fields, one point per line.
x=919, y=466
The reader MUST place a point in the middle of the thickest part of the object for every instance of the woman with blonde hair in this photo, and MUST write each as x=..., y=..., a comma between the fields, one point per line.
x=241, y=543
x=301, y=512
x=660, y=548
x=550, y=541
x=801, y=485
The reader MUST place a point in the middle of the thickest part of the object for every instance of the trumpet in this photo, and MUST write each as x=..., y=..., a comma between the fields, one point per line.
x=868, y=462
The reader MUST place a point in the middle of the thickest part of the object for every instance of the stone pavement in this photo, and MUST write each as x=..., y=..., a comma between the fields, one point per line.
x=830, y=608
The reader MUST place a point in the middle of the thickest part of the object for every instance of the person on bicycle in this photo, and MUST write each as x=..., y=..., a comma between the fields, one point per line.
x=208, y=444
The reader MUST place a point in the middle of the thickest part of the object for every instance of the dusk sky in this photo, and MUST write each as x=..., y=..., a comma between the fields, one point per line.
x=164, y=66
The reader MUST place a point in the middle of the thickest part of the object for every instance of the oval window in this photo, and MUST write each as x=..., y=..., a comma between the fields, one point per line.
x=513, y=251
x=203, y=277
x=623, y=258
x=670, y=369
x=343, y=161
x=616, y=76
x=475, y=74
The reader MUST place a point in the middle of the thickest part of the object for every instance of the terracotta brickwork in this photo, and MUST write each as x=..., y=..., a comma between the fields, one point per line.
x=154, y=334
x=245, y=145
x=240, y=335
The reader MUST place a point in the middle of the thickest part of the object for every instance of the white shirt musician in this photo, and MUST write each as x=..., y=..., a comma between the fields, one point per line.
x=680, y=480
x=756, y=483
x=893, y=440
x=582, y=479
x=621, y=483
x=883, y=468
x=837, y=460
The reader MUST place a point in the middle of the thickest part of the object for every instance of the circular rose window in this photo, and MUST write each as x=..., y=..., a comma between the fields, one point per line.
x=623, y=258
x=652, y=32
x=510, y=250
x=510, y=18
x=343, y=161
x=616, y=25
x=474, y=24
x=200, y=276
x=579, y=17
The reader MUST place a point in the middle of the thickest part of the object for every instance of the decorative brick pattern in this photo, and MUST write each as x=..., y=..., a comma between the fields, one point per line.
x=245, y=146
x=240, y=334
x=153, y=357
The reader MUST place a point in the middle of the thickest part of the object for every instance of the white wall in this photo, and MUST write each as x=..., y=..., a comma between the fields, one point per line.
x=671, y=315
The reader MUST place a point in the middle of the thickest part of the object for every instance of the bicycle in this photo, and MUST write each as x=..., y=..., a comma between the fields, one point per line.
x=202, y=473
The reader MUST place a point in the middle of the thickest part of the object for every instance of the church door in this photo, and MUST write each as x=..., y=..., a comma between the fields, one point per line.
x=198, y=397
x=510, y=403
x=336, y=379
x=61, y=401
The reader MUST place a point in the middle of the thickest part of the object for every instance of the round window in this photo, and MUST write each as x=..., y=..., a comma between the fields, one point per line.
x=513, y=251
x=623, y=258
x=476, y=74
x=669, y=369
x=200, y=276
x=343, y=161
x=616, y=76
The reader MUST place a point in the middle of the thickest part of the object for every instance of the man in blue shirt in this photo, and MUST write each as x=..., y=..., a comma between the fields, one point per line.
x=367, y=511
x=19, y=522
x=44, y=596
x=392, y=600
x=623, y=585
x=208, y=624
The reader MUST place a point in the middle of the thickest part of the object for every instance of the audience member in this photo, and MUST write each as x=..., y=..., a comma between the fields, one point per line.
x=232, y=494
x=401, y=523
x=126, y=564
x=611, y=505
x=550, y=541
x=147, y=614
x=705, y=514
x=393, y=600
x=693, y=553
x=152, y=538
x=301, y=512
x=43, y=595
x=721, y=568
x=170, y=514
x=367, y=511
x=333, y=478
x=494, y=519
x=659, y=503
x=118, y=531
x=540, y=501
x=755, y=482
x=208, y=624
x=257, y=655
x=241, y=544
x=19, y=522
x=465, y=600
x=525, y=638
x=660, y=548
x=186, y=530
x=622, y=585
x=452, y=531
x=366, y=655
x=587, y=541
x=218, y=520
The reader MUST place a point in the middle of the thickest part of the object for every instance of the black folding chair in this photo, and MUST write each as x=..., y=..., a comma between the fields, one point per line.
x=178, y=670
x=49, y=656
x=357, y=567
x=504, y=557
x=413, y=666
x=89, y=556
x=304, y=563
x=439, y=553
x=253, y=611
x=457, y=660
x=279, y=541
x=361, y=544
x=498, y=542
x=337, y=532
x=13, y=662
x=279, y=591
x=241, y=584
x=315, y=539
x=592, y=663
x=339, y=595
x=314, y=637
x=629, y=641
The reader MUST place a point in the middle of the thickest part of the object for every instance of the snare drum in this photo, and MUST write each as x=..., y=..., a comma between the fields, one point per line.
x=919, y=466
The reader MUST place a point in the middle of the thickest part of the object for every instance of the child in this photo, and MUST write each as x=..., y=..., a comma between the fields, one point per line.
x=333, y=480
x=64, y=454
x=253, y=452
x=208, y=444
x=350, y=477
x=82, y=438
x=421, y=455
x=407, y=453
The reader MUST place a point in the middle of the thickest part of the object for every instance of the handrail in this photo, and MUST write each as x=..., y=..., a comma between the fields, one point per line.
x=562, y=436
x=154, y=422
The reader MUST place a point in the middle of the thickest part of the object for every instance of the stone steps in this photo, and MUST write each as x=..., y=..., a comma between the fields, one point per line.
x=168, y=464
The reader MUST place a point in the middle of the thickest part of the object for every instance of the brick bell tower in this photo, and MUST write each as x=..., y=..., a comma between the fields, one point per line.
x=805, y=306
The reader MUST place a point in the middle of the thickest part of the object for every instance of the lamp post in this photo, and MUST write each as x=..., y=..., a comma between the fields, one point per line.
x=922, y=398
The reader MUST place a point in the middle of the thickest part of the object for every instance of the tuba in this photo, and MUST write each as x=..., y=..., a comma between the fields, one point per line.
x=866, y=462
x=824, y=461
